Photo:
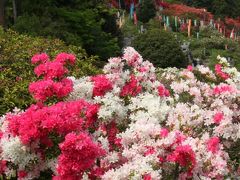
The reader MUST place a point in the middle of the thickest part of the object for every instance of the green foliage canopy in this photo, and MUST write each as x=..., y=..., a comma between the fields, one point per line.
x=146, y=10
x=90, y=24
x=220, y=8
x=161, y=48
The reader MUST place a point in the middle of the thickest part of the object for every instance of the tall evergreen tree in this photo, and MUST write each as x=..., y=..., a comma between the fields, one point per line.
x=2, y=12
x=146, y=10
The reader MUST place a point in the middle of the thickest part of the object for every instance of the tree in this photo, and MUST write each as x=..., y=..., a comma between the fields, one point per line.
x=161, y=48
x=87, y=23
x=14, y=4
x=220, y=8
x=2, y=12
x=224, y=8
x=146, y=10
x=198, y=3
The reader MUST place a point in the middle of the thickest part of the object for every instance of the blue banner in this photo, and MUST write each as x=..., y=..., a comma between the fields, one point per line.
x=131, y=10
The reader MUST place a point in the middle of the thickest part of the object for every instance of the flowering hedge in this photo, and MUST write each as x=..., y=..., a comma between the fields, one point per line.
x=129, y=123
x=182, y=10
x=16, y=70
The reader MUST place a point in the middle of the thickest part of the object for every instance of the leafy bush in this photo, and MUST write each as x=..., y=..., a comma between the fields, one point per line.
x=16, y=71
x=161, y=48
x=211, y=43
x=233, y=55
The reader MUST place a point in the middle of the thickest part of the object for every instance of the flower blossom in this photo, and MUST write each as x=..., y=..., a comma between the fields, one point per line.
x=213, y=144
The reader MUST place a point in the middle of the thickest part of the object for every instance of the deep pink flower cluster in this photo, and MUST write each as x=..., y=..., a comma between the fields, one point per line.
x=218, y=117
x=53, y=72
x=64, y=117
x=164, y=132
x=65, y=58
x=149, y=150
x=3, y=166
x=223, y=88
x=220, y=73
x=147, y=177
x=91, y=116
x=184, y=156
x=131, y=88
x=40, y=58
x=112, y=131
x=44, y=89
x=190, y=68
x=101, y=85
x=78, y=154
x=22, y=174
x=213, y=144
x=162, y=91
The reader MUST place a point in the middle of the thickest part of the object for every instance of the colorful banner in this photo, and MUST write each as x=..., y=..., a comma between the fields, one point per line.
x=189, y=27
x=119, y=4
x=195, y=22
x=164, y=18
x=131, y=10
x=176, y=21
x=197, y=35
x=211, y=22
x=165, y=27
x=167, y=21
x=141, y=29
x=135, y=17
x=232, y=34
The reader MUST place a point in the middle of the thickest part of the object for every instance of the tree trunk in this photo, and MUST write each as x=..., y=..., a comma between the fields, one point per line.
x=14, y=11
x=2, y=12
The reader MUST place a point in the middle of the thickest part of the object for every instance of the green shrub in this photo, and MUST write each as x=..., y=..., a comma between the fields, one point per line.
x=210, y=44
x=161, y=48
x=16, y=71
x=228, y=54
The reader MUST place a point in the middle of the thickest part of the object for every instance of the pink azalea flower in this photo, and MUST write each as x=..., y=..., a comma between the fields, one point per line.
x=101, y=85
x=162, y=91
x=218, y=117
x=131, y=88
x=184, y=156
x=147, y=177
x=78, y=154
x=164, y=132
x=40, y=58
x=190, y=68
x=213, y=144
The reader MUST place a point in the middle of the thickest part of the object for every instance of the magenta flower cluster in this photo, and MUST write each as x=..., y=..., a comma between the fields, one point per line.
x=53, y=73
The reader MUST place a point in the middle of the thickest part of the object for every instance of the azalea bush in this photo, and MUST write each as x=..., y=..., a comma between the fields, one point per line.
x=185, y=11
x=16, y=70
x=132, y=122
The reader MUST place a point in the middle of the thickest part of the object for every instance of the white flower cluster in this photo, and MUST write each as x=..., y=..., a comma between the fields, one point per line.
x=112, y=108
x=82, y=89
